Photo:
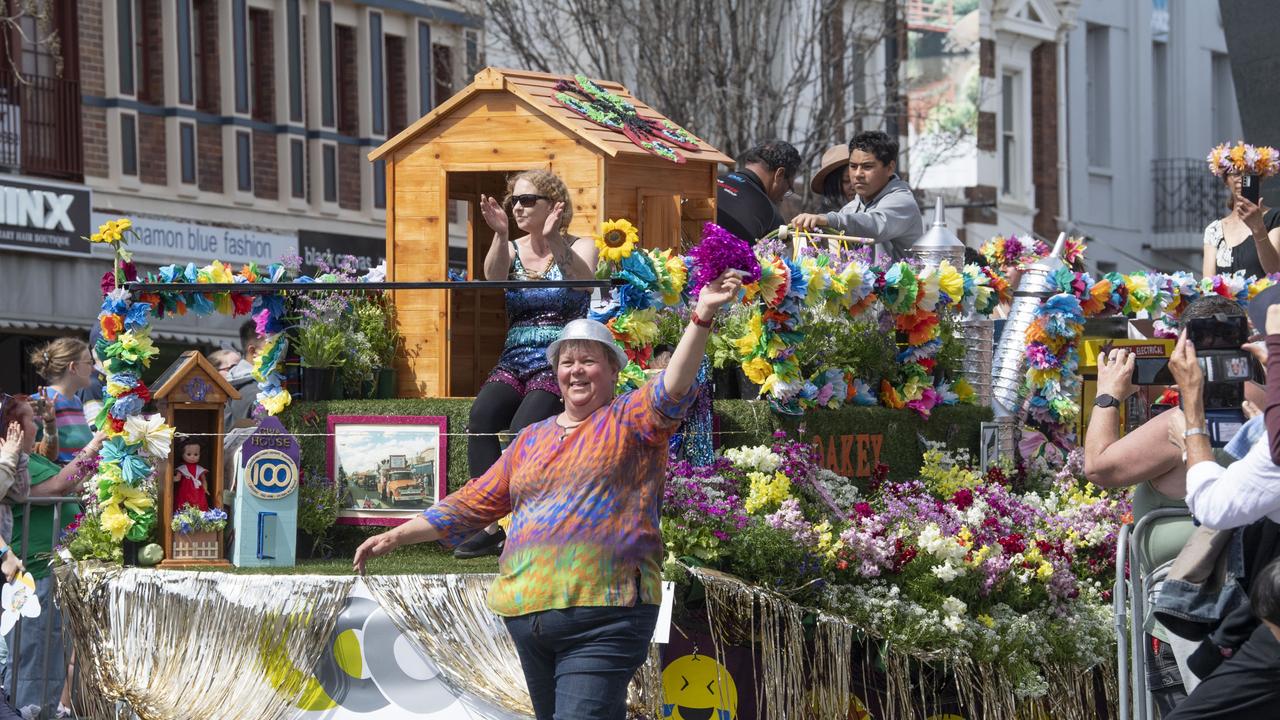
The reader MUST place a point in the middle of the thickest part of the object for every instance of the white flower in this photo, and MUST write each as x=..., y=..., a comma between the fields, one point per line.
x=946, y=572
x=376, y=274
x=954, y=606
x=954, y=623
x=759, y=458
x=155, y=436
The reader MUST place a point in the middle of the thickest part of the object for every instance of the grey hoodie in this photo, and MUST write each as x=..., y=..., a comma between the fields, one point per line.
x=892, y=218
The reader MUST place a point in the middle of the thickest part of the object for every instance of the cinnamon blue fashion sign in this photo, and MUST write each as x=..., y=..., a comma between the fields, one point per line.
x=44, y=217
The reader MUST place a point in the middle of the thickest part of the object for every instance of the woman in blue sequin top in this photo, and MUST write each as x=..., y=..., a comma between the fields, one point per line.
x=522, y=388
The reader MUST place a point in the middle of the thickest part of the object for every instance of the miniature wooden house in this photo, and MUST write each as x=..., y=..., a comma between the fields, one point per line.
x=505, y=122
x=191, y=395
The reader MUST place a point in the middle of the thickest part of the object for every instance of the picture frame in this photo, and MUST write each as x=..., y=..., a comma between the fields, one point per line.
x=387, y=468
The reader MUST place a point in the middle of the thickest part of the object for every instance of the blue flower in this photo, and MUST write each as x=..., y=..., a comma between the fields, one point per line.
x=114, y=306
x=126, y=406
x=139, y=315
x=127, y=379
x=169, y=273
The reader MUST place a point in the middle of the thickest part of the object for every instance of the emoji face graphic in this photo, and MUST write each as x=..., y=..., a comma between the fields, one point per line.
x=696, y=687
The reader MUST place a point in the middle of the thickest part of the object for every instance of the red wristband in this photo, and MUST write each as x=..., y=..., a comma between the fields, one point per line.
x=693, y=315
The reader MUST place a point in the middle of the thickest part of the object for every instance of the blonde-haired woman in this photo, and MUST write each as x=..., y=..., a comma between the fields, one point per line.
x=67, y=366
x=522, y=388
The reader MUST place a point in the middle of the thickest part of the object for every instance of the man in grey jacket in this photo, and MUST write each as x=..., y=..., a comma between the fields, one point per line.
x=884, y=209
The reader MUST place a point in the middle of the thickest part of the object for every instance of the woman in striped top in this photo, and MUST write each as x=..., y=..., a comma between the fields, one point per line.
x=67, y=366
x=580, y=576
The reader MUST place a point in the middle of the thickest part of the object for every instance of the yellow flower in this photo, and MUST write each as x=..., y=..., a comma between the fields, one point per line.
x=675, y=276
x=964, y=537
x=1044, y=571
x=757, y=369
x=750, y=342
x=951, y=282
x=987, y=620
x=219, y=273
x=136, y=348
x=766, y=491
x=275, y=404
x=114, y=521
x=616, y=240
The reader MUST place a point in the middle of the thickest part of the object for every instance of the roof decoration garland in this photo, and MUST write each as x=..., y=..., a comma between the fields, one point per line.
x=660, y=137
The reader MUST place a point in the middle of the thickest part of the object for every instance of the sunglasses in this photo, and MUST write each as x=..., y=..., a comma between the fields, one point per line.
x=528, y=200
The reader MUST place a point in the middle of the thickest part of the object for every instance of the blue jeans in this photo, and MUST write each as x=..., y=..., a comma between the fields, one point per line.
x=578, y=662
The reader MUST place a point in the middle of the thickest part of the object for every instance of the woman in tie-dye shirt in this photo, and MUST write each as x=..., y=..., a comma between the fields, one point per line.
x=580, y=577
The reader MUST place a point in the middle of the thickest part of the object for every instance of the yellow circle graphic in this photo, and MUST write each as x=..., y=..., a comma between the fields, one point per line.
x=696, y=687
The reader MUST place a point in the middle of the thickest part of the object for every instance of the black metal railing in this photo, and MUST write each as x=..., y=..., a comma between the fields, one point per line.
x=1187, y=196
x=40, y=126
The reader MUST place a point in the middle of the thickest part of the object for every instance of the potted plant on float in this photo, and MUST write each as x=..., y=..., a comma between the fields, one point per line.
x=375, y=319
x=317, y=512
x=196, y=533
x=322, y=350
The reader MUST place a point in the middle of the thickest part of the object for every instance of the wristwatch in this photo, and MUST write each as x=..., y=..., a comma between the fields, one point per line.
x=1106, y=401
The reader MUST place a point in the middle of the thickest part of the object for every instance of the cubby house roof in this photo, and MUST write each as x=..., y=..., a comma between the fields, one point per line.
x=171, y=378
x=537, y=90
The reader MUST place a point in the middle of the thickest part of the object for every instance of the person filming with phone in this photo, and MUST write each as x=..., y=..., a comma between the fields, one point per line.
x=1248, y=237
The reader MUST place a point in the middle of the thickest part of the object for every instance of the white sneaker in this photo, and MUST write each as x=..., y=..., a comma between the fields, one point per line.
x=30, y=712
x=63, y=712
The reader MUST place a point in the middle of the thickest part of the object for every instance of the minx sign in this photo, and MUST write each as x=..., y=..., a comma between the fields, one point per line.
x=44, y=217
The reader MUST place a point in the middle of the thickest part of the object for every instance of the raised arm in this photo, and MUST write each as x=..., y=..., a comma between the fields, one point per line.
x=683, y=368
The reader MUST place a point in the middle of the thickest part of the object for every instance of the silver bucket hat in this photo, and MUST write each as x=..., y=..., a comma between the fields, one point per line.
x=584, y=329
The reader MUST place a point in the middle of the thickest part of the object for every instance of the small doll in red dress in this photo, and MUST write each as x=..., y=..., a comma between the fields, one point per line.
x=189, y=480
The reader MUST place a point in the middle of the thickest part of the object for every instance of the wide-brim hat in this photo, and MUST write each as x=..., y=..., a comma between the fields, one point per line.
x=584, y=329
x=835, y=158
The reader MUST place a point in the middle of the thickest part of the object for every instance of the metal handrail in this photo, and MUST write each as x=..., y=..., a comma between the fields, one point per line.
x=15, y=650
x=1142, y=700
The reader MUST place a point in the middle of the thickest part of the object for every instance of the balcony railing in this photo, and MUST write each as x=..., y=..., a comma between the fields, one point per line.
x=40, y=127
x=1187, y=196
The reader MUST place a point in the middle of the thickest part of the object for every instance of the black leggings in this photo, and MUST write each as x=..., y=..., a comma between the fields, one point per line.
x=498, y=408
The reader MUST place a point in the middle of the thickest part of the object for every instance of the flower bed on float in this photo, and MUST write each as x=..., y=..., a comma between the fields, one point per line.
x=1003, y=573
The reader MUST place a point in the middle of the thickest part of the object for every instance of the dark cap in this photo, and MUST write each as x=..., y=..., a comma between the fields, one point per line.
x=1259, y=305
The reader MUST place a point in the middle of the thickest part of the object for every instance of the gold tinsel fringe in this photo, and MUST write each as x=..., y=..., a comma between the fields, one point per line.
x=190, y=645
x=792, y=683
x=448, y=618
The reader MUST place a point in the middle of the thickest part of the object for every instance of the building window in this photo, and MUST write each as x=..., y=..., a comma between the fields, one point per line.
x=187, y=154
x=1098, y=94
x=1224, y=99
x=205, y=54
x=326, y=65
x=128, y=144
x=244, y=161
x=442, y=63
x=1009, y=105
x=262, y=95
x=186, y=89
x=240, y=54
x=473, y=52
x=1160, y=90
x=298, y=167
x=376, y=67
x=424, y=69
x=124, y=40
x=348, y=92
x=380, y=184
x=330, y=168
x=397, y=87
x=148, y=56
x=293, y=20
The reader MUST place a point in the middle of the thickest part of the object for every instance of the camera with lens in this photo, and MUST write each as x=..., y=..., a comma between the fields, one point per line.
x=1217, y=340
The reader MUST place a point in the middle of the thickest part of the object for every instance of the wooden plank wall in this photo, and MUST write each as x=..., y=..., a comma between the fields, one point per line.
x=633, y=182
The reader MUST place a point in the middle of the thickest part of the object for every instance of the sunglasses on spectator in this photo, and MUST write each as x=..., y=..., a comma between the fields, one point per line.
x=528, y=200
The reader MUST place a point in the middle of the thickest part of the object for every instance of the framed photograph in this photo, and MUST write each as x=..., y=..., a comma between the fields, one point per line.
x=386, y=468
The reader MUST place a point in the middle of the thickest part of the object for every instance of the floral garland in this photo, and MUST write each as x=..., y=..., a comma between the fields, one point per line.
x=1054, y=336
x=121, y=494
x=1244, y=159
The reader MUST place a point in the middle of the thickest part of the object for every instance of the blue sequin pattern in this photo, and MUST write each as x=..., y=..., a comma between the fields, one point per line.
x=535, y=317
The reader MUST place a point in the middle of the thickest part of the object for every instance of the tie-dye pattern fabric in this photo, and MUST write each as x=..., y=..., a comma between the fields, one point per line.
x=585, y=509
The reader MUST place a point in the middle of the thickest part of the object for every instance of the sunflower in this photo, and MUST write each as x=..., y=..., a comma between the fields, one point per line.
x=616, y=240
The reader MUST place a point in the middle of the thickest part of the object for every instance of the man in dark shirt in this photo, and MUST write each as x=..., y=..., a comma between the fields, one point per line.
x=747, y=198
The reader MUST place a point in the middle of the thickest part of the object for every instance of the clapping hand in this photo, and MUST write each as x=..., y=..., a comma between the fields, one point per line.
x=11, y=566
x=495, y=216
x=551, y=225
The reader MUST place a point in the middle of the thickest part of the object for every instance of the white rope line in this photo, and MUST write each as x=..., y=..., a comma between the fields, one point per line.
x=180, y=434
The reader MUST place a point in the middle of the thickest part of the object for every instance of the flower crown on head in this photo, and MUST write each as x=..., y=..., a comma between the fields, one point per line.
x=1244, y=159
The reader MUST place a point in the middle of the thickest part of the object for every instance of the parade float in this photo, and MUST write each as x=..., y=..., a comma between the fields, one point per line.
x=841, y=545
